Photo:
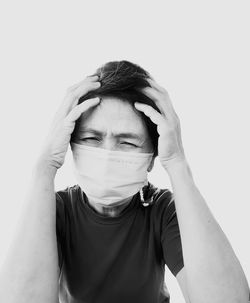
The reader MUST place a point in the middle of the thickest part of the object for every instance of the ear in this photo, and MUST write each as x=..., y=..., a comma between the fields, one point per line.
x=151, y=165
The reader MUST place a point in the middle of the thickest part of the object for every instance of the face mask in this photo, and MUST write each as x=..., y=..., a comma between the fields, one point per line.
x=109, y=176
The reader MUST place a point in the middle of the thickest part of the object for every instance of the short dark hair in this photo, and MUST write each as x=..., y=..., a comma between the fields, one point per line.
x=123, y=80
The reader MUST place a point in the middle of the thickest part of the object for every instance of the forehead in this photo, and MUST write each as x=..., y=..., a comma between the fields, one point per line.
x=115, y=115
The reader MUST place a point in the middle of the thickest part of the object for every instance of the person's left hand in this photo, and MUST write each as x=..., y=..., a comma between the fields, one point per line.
x=170, y=147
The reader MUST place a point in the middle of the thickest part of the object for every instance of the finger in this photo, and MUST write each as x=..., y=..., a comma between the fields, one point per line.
x=149, y=111
x=79, y=109
x=154, y=84
x=72, y=97
x=161, y=99
x=93, y=77
x=88, y=78
x=157, y=97
x=162, y=90
x=81, y=90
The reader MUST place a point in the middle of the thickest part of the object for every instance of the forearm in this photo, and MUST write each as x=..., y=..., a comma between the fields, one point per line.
x=30, y=271
x=214, y=273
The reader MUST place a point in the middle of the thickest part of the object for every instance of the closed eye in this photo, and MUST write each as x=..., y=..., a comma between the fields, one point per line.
x=129, y=143
x=89, y=138
x=93, y=138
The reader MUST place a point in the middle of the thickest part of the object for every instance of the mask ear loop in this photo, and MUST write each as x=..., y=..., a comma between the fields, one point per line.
x=148, y=202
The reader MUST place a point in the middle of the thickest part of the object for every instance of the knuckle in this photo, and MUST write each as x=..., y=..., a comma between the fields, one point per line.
x=171, y=128
x=163, y=89
x=175, y=123
x=66, y=122
x=88, y=79
x=72, y=94
x=177, y=119
x=69, y=89
x=76, y=108
x=165, y=93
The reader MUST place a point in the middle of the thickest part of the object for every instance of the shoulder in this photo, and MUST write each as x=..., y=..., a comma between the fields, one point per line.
x=161, y=198
x=65, y=192
x=161, y=211
x=161, y=207
x=67, y=197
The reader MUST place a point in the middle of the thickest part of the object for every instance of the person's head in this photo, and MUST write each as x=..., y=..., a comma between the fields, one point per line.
x=121, y=82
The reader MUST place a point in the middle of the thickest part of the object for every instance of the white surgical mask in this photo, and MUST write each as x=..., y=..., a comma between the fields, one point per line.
x=109, y=176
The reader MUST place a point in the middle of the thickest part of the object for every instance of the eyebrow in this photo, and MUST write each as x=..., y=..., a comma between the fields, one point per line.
x=128, y=135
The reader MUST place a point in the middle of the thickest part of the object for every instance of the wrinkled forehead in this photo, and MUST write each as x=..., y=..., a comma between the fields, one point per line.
x=113, y=113
x=112, y=106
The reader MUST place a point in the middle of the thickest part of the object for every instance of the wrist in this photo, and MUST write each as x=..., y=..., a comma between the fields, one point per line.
x=43, y=167
x=178, y=166
x=174, y=163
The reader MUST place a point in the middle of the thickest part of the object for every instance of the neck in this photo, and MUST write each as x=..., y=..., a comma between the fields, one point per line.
x=111, y=210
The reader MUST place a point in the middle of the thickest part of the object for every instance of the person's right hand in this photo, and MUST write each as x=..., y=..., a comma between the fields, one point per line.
x=57, y=141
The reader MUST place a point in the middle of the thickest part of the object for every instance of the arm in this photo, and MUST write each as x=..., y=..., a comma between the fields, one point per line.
x=30, y=271
x=181, y=278
x=213, y=272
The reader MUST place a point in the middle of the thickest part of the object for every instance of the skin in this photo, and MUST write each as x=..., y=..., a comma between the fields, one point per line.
x=212, y=271
x=113, y=116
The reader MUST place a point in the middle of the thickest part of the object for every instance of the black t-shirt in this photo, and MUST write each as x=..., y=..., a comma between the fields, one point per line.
x=116, y=259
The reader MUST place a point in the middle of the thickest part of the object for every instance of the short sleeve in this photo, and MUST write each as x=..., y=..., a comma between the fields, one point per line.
x=171, y=239
x=60, y=227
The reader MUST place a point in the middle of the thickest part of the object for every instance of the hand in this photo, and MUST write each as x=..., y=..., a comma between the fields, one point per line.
x=170, y=147
x=57, y=141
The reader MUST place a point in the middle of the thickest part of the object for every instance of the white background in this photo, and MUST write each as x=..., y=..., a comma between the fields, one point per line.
x=198, y=50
